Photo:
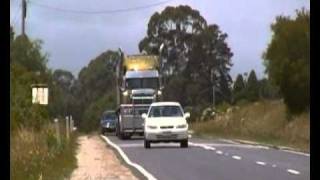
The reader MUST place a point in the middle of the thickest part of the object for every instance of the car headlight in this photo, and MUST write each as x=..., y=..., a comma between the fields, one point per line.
x=152, y=127
x=125, y=93
x=182, y=126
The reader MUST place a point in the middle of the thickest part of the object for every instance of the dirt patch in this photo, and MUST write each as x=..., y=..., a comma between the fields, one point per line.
x=97, y=162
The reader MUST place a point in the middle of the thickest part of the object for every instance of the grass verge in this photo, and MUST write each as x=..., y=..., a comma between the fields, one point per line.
x=263, y=122
x=38, y=155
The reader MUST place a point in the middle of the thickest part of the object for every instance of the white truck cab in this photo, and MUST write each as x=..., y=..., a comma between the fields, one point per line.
x=165, y=122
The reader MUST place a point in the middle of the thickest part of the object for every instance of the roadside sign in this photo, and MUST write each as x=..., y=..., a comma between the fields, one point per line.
x=40, y=94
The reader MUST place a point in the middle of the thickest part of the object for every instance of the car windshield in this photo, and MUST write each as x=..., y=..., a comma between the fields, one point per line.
x=165, y=111
x=109, y=117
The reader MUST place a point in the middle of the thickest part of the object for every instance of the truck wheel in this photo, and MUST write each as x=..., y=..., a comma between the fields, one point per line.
x=146, y=144
x=184, y=144
x=122, y=136
x=125, y=136
x=102, y=131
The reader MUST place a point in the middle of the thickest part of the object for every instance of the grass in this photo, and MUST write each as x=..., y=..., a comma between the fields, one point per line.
x=37, y=155
x=263, y=121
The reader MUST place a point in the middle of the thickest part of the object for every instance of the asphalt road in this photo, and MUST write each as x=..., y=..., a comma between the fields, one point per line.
x=215, y=160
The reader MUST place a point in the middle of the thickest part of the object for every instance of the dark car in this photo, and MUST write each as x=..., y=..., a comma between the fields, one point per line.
x=108, y=121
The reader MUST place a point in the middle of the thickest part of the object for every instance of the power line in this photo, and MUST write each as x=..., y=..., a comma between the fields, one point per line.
x=98, y=12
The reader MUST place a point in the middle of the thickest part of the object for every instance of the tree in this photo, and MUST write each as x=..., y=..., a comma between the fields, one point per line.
x=94, y=82
x=28, y=54
x=239, y=88
x=268, y=90
x=64, y=79
x=173, y=27
x=252, y=87
x=192, y=49
x=287, y=59
x=238, y=84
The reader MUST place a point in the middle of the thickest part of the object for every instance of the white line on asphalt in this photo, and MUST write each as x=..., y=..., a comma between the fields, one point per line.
x=128, y=161
x=130, y=145
x=236, y=145
x=299, y=153
x=219, y=152
x=229, y=141
x=236, y=157
x=293, y=171
x=261, y=163
x=202, y=146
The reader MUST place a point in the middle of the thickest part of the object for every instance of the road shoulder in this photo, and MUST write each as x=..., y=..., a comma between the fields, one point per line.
x=97, y=161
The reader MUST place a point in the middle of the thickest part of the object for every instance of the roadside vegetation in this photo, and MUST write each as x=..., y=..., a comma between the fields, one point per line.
x=276, y=109
x=264, y=121
x=34, y=149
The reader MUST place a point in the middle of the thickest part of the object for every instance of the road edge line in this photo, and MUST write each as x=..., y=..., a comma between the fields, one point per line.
x=128, y=161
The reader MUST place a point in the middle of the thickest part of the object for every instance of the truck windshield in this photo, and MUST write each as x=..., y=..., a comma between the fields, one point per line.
x=165, y=111
x=138, y=83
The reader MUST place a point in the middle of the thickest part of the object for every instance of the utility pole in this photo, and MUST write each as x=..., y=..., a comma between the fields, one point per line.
x=23, y=17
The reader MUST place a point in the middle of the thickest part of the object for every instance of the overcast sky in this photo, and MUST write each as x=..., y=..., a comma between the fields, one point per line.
x=72, y=40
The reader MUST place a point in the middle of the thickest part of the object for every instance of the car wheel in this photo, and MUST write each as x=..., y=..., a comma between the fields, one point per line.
x=184, y=144
x=146, y=144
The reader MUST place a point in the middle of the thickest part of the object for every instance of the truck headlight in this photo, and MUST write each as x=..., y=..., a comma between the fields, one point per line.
x=159, y=92
x=125, y=93
x=182, y=126
x=152, y=127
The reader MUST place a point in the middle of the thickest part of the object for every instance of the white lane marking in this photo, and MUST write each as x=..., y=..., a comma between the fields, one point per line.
x=219, y=152
x=237, y=145
x=274, y=165
x=236, y=157
x=202, y=146
x=130, y=145
x=261, y=163
x=229, y=141
x=128, y=161
x=299, y=153
x=292, y=171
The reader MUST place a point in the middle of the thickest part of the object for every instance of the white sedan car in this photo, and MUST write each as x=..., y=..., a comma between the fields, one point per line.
x=165, y=122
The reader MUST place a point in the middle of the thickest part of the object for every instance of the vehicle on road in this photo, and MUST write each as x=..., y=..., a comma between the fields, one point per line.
x=138, y=85
x=165, y=122
x=108, y=121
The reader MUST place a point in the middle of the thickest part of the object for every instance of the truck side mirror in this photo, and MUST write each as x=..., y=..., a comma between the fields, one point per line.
x=144, y=116
x=187, y=115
